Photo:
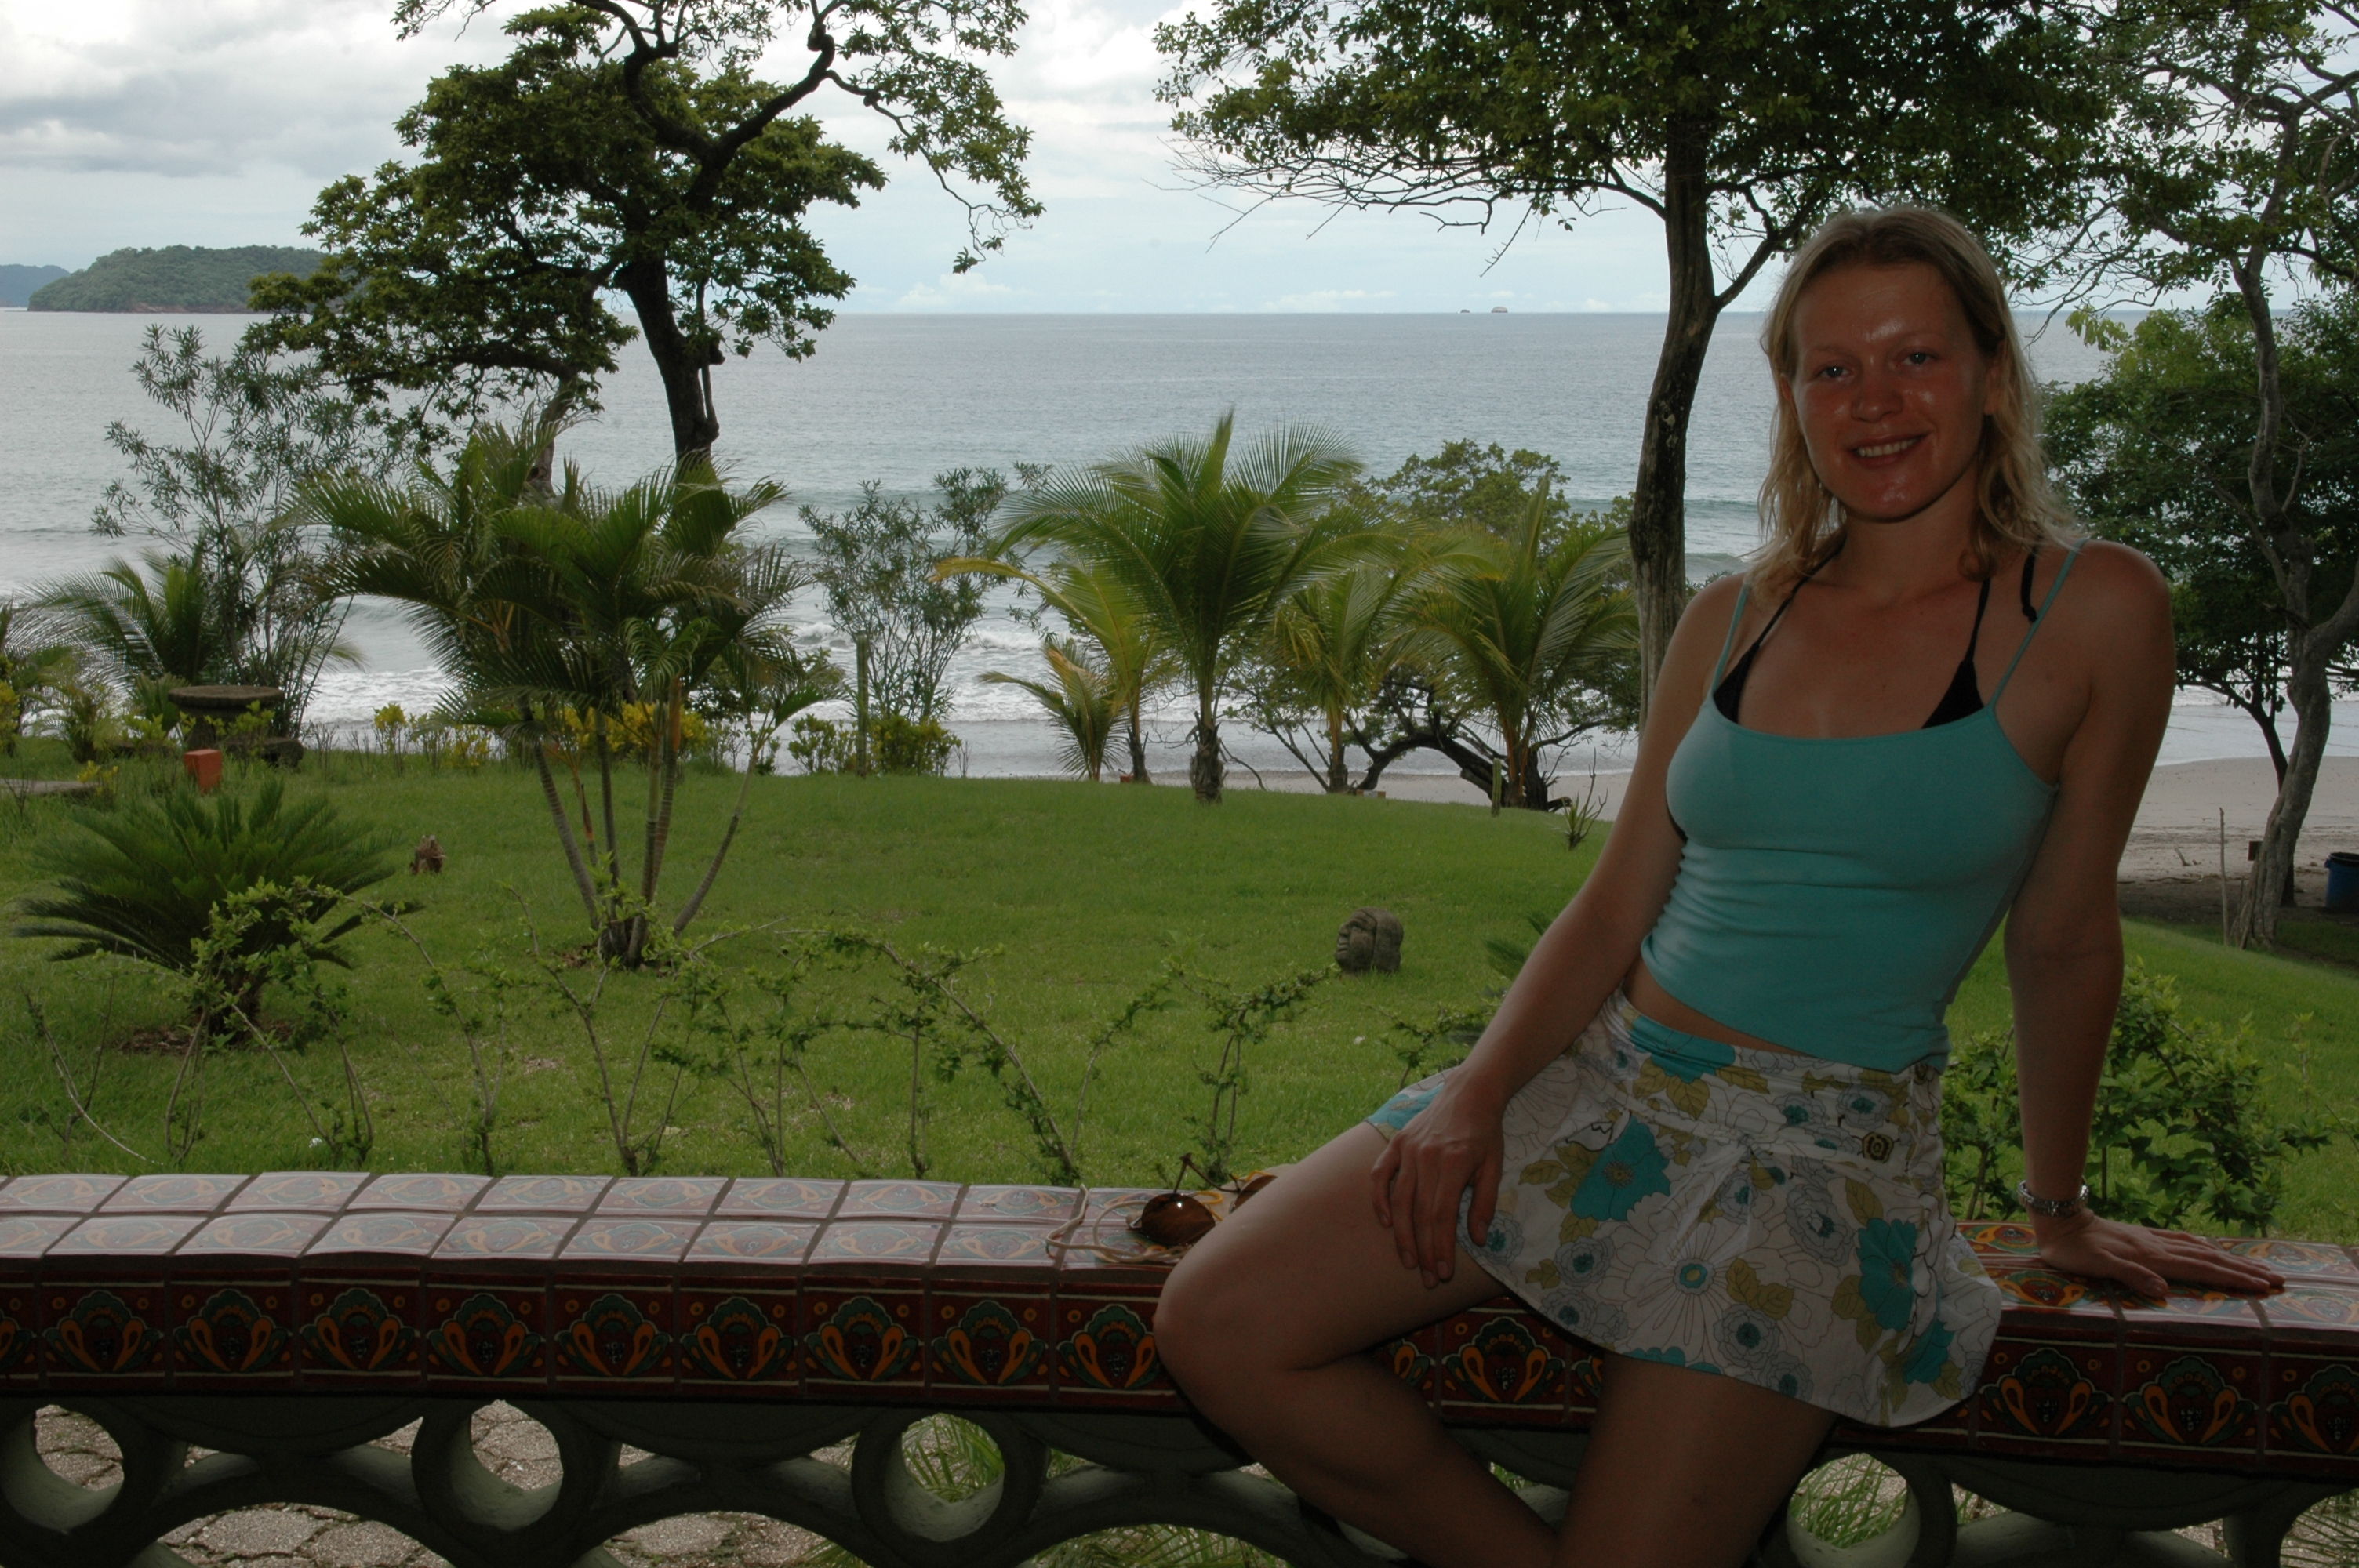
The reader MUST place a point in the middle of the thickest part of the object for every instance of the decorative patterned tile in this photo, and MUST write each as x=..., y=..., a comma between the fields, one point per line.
x=990, y=1345
x=440, y=1193
x=625, y=1243
x=172, y=1193
x=613, y=1334
x=1020, y=1248
x=866, y=1245
x=725, y=1244
x=2049, y=1304
x=1102, y=1248
x=1029, y=1205
x=102, y=1334
x=1499, y=1363
x=2200, y=1406
x=130, y=1238
x=779, y=1197
x=20, y=1332
x=324, y=1192
x=2048, y=1398
x=501, y=1240
x=863, y=1338
x=387, y=1234
x=2311, y=1424
x=900, y=1200
x=543, y=1194
x=24, y=1236
x=687, y=1197
x=234, y=1332
x=355, y=1329
x=1996, y=1241
x=486, y=1335
x=57, y=1195
x=1105, y=1354
x=2191, y=1317
x=254, y=1235
x=2308, y=1260
x=2318, y=1314
x=735, y=1337
x=1411, y=1359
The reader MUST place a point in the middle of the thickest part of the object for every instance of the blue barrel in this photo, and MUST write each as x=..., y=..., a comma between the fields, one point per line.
x=2343, y=882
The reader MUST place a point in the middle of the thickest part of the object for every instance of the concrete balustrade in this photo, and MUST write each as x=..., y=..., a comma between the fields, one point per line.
x=694, y=1344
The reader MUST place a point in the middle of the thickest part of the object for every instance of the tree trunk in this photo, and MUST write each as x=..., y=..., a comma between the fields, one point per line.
x=1137, y=745
x=1204, y=770
x=860, y=708
x=2271, y=879
x=680, y=362
x=574, y=859
x=1658, y=556
x=2311, y=645
x=1339, y=777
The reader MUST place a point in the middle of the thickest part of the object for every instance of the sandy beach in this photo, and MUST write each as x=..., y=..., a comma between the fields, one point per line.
x=2177, y=838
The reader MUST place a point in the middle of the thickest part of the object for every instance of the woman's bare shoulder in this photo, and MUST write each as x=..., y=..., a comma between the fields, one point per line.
x=2111, y=581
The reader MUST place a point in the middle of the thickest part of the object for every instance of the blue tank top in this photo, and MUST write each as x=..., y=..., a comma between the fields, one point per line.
x=1833, y=892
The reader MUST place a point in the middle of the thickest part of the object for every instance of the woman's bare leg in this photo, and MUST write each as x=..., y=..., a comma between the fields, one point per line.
x=1264, y=1325
x=1683, y=1469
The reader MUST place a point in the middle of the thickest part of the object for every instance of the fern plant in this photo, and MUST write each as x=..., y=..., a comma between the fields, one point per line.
x=144, y=881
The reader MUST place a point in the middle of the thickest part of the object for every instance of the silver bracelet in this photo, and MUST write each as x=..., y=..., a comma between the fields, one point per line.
x=2051, y=1208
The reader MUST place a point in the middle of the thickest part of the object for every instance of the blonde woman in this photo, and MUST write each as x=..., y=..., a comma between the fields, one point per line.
x=1703, y=1133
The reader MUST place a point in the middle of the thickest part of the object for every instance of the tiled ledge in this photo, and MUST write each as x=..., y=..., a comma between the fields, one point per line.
x=1030, y=1309
x=1013, y=1297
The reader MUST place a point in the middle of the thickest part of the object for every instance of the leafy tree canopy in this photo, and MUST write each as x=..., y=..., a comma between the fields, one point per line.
x=629, y=146
x=1738, y=127
x=2155, y=453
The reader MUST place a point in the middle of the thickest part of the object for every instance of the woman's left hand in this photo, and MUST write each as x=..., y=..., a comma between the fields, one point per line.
x=2146, y=1259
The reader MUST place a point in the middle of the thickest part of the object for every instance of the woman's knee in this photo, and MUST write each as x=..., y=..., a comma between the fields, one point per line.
x=1195, y=1322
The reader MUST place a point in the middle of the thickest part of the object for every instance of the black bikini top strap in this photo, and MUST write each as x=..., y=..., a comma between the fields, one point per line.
x=2030, y=560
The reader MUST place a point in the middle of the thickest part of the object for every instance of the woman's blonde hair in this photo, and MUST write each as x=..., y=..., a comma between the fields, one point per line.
x=1801, y=522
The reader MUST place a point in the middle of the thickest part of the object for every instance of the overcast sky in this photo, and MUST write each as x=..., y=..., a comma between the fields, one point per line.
x=215, y=122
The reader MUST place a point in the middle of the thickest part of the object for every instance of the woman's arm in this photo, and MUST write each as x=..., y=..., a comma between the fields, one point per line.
x=2064, y=934
x=1457, y=1141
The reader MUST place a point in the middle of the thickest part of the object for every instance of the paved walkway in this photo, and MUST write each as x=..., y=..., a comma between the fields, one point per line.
x=512, y=1445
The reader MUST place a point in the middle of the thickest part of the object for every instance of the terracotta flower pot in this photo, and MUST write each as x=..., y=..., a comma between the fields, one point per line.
x=204, y=766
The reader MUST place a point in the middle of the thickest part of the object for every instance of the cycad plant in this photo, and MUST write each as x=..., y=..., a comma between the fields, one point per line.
x=1079, y=699
x=1208, y=540
x=144, y=881
x=1527, y=629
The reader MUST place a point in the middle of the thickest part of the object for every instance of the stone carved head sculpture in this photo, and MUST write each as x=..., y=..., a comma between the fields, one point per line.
x=1371, y=939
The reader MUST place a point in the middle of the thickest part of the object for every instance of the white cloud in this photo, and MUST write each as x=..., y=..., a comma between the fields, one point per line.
x=215, y=122
x=1325, y=299
x=953, y=291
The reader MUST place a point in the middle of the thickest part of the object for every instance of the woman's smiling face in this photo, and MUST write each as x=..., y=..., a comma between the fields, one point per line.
x=1889, y=388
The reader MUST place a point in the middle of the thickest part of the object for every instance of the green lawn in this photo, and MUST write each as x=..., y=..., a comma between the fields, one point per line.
x=1085, y=891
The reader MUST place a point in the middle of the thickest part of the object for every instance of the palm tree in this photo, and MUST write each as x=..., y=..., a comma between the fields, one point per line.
x=1130, y=653
x=150, y=626
x=1081, y=703
x=1525, y=629
x=1337, y=638
x=1207, y=546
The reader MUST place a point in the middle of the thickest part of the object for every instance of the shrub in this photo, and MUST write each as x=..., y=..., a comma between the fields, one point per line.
x=2183, y=1131
x=145, y=879
x=896, y=745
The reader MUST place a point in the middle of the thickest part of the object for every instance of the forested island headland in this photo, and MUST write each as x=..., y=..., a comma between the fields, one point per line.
x=166, y=279
x=17, y=282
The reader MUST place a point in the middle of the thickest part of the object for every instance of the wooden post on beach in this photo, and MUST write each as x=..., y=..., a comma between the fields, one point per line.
x=2225, y=941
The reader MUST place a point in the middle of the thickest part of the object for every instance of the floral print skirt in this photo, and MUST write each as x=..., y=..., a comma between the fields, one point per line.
x=1754, y=1214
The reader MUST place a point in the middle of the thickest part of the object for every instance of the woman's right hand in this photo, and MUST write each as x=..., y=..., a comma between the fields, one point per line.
x=1458, y=1141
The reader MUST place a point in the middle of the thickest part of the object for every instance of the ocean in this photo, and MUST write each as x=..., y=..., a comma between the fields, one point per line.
x=899, y=398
